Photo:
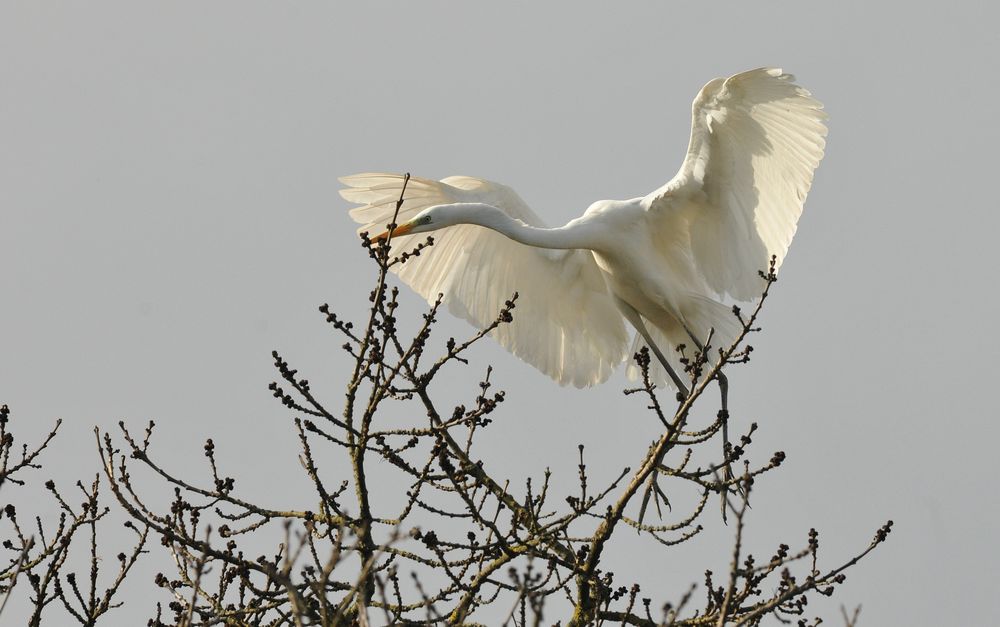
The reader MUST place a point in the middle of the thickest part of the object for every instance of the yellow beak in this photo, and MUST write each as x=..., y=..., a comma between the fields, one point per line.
x=402, y=229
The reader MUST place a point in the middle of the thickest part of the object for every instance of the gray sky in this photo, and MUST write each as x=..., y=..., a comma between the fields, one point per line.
x=169, y=215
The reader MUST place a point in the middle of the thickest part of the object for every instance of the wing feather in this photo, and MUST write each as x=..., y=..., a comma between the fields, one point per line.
x=756, y=139
x=565, y=323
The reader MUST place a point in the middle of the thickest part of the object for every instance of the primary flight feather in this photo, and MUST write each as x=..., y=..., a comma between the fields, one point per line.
x=662, y=262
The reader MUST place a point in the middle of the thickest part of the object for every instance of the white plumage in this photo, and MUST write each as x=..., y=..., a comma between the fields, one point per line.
x=663, y=261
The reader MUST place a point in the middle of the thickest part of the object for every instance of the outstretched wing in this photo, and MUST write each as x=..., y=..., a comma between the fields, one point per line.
x=756, y=138
x=565, y=323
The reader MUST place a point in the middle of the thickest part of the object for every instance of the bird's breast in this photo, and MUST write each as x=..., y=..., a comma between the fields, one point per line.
x=646, y=279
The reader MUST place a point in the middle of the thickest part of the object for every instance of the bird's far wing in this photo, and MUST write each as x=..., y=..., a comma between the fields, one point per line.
x=756, y=139
x=565, y=323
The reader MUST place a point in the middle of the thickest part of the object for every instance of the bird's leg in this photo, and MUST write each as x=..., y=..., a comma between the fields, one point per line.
x=635, y=319
x=723, y=381
x=724, y=417
x=727, y=470
x=633, y=316
x=666, y=365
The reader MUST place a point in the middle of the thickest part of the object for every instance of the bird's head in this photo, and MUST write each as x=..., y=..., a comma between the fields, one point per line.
x=430, y=219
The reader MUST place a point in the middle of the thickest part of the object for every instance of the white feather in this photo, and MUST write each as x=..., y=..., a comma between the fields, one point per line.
x=565, y=323
x=756, y=139
x=669, y=257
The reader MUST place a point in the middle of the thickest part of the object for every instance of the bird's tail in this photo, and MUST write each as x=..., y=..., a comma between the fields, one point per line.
x=700, y=316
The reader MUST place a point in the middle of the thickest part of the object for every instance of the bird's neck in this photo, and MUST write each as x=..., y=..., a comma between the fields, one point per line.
x=573, y=235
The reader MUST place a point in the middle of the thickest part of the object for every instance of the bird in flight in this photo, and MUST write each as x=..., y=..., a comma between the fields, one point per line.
x=665, y=263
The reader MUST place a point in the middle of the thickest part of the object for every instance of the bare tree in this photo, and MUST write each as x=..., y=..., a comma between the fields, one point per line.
x=39, y=550
x=438, y=538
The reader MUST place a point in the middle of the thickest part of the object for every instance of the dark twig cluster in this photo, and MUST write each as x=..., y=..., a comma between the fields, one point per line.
x=39, y=550
x=414, y=527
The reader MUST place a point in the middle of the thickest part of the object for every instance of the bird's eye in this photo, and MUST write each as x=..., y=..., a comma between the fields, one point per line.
x=425, y=220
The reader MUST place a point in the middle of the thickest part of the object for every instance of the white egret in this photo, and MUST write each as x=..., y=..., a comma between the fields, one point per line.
x=663, y=261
